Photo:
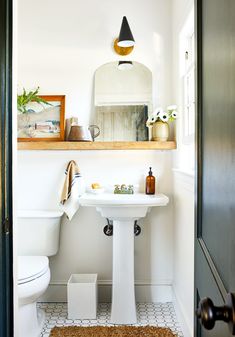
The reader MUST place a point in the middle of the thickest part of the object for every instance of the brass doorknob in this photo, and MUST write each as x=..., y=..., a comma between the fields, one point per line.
x=208, y=313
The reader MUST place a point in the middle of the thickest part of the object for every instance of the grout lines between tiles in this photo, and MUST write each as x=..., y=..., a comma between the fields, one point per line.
x=156, y=314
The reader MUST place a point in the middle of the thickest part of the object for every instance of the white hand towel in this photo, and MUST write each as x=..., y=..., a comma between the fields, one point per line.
x=72, y=190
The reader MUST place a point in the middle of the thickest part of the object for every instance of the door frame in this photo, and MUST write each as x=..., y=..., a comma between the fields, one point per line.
x=6, y=239
x=198, y=142
x=6, y=235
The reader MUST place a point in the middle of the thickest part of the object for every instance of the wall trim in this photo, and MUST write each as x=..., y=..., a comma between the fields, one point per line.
x=145, y=291
x=181, y=315
x=137, y=283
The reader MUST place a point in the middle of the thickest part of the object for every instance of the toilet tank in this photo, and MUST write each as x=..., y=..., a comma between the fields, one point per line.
x=38, y=232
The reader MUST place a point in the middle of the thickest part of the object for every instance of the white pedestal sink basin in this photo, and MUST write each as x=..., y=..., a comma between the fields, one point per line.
x=123, y=210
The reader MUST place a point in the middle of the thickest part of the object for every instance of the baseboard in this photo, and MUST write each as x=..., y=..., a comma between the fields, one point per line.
x=145, y=292
x=181, y=316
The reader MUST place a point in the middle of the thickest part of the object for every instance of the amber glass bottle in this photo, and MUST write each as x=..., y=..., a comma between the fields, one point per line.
x=150, y=183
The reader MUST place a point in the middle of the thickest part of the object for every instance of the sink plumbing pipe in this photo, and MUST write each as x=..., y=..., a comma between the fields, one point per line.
x=108, y=229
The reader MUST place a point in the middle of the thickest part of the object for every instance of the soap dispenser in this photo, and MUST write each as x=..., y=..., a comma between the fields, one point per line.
x=150, y=183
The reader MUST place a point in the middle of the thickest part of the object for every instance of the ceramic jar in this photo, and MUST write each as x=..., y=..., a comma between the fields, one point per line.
x=160, y=131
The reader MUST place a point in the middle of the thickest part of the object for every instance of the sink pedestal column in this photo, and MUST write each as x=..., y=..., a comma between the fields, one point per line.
x=123, y=210
x=123, y=289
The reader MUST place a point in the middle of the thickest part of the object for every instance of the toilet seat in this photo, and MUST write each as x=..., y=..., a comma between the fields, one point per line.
x=31, y=268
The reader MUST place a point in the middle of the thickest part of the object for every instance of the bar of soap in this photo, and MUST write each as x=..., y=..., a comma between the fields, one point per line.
x=95, y=186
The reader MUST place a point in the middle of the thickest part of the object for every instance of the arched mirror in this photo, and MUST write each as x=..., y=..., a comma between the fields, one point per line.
x=123, y=99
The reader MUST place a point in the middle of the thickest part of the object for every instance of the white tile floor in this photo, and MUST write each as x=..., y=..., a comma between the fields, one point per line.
x=158, y=314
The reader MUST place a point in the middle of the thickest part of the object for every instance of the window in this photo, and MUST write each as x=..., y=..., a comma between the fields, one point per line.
x=189, y=90
x=187, y=61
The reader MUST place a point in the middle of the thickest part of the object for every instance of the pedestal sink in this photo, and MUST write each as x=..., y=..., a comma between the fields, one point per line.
x=123, y=210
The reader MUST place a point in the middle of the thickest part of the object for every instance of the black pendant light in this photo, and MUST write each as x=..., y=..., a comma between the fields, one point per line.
x=125, y=38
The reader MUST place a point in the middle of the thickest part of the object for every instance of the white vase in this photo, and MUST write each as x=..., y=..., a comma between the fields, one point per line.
x=160, y=131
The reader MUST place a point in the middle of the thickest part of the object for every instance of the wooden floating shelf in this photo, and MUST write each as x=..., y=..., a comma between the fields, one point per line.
x=59, y=145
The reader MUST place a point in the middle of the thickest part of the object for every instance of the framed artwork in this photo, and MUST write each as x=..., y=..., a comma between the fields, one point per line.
x=42, y=121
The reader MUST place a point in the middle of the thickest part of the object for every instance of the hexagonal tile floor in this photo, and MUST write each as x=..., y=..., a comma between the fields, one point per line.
x=156, y=314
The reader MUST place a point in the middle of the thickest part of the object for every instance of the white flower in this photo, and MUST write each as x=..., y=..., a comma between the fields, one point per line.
x=164, y=116
x=151, y=120
x=174, y=114
x=172, y=107
x=157, y=111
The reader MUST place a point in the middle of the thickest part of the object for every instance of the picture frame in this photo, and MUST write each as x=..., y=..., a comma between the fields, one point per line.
x=43, y=122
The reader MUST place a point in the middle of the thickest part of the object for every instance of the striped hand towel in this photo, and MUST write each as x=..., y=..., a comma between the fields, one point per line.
x=72, y=190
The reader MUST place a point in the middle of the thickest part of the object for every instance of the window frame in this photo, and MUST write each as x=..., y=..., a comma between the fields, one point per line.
x=187, y=37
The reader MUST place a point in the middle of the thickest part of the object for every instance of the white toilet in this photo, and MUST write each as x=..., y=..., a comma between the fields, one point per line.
x=38, y=238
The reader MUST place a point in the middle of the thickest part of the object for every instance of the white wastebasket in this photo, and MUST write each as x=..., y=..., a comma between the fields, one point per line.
x=82, y=296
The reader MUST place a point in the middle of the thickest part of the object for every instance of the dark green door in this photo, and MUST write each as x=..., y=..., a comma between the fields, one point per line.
x=215, y=241
x=6, y=278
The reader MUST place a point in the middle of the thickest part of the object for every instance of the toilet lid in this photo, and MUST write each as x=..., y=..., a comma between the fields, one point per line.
x=31, y=267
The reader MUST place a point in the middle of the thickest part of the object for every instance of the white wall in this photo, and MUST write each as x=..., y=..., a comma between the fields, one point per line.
x=183, y=161
x=61, y=44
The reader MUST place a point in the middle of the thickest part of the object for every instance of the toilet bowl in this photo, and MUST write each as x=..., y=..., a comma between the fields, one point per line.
x=33, y=280
x=38, y=239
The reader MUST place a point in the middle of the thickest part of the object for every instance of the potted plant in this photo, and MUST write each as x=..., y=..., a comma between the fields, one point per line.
x=26, y=97
x=158, y=123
